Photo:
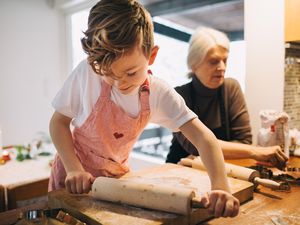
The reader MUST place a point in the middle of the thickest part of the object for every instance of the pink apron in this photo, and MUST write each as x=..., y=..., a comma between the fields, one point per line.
x=105, y=139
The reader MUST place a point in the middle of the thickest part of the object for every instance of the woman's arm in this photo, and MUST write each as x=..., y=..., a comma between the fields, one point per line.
x=235, y=150
x=272, y=154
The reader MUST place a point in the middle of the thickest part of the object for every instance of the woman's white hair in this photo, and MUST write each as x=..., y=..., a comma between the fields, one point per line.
x=202, y=41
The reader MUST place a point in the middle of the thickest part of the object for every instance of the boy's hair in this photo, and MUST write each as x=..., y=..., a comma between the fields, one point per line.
x=114, y=28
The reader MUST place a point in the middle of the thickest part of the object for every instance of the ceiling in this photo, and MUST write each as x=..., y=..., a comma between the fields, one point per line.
x=225, y=15
x=179, y=18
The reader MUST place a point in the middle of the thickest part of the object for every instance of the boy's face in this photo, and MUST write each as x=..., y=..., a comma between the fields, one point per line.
x=130, y=71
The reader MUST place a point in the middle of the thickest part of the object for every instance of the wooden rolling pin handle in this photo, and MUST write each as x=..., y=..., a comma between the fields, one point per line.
x=266, y=183
x=196, y=203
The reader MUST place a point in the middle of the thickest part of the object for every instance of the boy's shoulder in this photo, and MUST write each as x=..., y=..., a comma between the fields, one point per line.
x=83, y=78
x=158, y=84
x=84, y=71
x=156, y=80
x=83, y=67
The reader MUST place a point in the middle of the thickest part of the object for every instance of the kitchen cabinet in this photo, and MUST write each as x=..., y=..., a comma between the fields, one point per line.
x=292, y=20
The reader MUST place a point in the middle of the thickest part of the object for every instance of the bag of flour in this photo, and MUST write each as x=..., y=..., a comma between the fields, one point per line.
x=274, y=130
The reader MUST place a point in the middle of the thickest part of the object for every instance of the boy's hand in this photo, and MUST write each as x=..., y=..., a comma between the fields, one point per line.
x=221, y=203
x=78, y=182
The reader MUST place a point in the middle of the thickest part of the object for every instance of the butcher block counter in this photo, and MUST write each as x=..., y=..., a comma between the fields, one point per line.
x=268, y=207
x=97, y=212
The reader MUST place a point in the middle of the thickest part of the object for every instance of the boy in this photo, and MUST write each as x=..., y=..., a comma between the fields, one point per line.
x=110, y=98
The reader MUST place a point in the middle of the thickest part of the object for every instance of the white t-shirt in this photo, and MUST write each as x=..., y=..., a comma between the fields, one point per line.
x=81, y=90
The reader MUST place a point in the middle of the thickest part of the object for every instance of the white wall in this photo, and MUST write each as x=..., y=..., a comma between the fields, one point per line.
x=32, y=66
x=264, y=36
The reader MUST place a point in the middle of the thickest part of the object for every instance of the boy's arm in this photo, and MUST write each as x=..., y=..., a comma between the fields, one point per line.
x=219, y=201
x=209, y=150
x=77, y=180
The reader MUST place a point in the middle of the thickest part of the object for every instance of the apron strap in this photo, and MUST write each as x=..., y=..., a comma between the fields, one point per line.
x=144, y=93
x=105, y=89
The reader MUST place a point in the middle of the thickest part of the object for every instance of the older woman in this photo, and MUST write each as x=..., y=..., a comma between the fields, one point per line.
x=218, y=102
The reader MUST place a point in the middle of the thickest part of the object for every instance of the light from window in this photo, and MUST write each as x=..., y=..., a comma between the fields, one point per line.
x=170, y=63
x=236, y=63
x=78, y=26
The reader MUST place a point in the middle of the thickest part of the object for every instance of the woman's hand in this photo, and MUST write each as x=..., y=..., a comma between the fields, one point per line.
x=221, y=203
x=271, y=154
x=78, y=182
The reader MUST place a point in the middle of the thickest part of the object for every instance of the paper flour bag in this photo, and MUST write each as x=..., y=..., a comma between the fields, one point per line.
x=274, y=130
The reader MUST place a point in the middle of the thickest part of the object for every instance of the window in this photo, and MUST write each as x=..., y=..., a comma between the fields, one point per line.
x=170, y=63
x=78, y=26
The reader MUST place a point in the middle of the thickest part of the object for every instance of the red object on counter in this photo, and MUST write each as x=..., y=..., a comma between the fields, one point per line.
x=5, y=155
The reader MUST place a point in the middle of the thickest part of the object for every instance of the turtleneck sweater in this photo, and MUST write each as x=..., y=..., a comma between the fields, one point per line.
x=204, y=102
x=223, y=110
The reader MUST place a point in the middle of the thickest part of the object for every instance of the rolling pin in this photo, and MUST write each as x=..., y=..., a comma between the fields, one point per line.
x=160, y=197
x=238, y=172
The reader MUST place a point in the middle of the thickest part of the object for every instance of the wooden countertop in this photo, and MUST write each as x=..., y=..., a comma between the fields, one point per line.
x=267, y=207
x=96, y=212
x=15, y=173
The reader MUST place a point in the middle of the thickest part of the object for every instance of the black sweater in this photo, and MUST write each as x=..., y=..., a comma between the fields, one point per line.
x=222, y=110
